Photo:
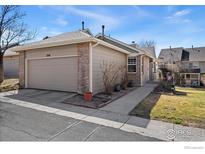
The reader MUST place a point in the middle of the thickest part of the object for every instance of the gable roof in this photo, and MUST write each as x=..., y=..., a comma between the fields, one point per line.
x=65, y=39
x=196, y=54
x=170, y=55
x=123, y=45
x=61, y=39
x=150, y=50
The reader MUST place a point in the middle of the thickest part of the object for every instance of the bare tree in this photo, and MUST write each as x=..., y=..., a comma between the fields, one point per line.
x=13, y=31
x=124, y=76
x=110, y=74
x=147, y=43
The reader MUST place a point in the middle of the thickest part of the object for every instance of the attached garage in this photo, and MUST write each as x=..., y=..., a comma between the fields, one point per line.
x=53, y=73
x=11, y=65
x=67, y=62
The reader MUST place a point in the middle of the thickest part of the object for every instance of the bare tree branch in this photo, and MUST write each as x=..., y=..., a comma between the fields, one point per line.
x=13, y=31
x=147, y=43
x=111, y=72
x=12, y=28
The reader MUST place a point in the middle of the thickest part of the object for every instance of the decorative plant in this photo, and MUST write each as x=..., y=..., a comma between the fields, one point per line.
x=124, y=76
x=87, y=95
x=110, y=75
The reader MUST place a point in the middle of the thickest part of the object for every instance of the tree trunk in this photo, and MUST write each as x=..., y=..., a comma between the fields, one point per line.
x=1, y=69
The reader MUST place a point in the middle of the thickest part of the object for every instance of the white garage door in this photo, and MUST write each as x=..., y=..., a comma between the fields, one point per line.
x=53, y=74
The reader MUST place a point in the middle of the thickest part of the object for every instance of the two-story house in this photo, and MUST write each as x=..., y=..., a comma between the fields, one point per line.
x=189, y=63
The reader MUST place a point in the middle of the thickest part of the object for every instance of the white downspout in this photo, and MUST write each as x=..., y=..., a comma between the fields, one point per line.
x=90, y=67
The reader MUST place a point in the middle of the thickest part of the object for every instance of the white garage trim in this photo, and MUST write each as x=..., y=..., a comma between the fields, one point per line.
x=50, y=57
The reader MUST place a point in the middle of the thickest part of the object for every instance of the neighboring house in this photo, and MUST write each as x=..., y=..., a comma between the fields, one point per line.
x=153, y=67
x=11, y=65
x=188, y=62
x=72, y=62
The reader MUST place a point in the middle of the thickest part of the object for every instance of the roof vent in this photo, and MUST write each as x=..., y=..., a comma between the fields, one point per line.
x=45, y=37
x=83, y=24
x=134, y=44
x=103, y=31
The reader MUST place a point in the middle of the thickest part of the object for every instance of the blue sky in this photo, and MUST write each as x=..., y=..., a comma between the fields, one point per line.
x=167, y=25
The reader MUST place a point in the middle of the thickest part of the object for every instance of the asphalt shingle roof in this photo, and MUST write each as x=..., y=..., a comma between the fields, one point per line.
x=126, y=46
x=196, y=54
x=151, y=51
x=170, y=55
x=63, y=37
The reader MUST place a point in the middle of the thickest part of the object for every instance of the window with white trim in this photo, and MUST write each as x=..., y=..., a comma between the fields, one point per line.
x=131, y=63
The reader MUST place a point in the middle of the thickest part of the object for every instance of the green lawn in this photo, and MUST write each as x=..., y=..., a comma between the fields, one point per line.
x=187, y=108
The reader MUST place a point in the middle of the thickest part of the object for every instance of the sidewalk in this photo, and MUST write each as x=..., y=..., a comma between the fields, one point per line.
x=152, y=128
x=163, y=130
x=126, y=103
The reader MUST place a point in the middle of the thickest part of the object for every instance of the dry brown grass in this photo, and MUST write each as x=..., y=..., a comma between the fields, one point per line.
x=9, y=84
x=187, y=109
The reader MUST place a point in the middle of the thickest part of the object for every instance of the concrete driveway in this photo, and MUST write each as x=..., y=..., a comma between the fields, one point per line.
x=18, y=123
x=41, y=96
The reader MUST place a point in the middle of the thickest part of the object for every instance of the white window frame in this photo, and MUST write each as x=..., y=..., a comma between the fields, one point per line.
x=134, y=57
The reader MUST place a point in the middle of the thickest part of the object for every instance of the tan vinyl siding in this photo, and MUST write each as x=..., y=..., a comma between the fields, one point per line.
x=100, y=54
x=53, y=51
x=11, y=66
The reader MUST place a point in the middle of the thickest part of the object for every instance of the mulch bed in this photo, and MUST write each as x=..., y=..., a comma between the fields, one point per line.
x=144, y=108
x=99, y=100
x=160, y=89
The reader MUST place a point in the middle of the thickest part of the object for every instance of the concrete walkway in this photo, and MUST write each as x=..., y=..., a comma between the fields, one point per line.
x=126, y=103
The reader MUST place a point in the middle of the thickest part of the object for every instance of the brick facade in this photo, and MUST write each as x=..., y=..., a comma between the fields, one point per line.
x=83, y=67
x=22, y=69
x=137, y=77
x=139, y=70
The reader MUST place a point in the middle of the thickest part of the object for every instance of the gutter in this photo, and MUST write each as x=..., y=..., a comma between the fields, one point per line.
x=49, y=44
x=66, y=42
x=11, y=55
x=110, y=46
